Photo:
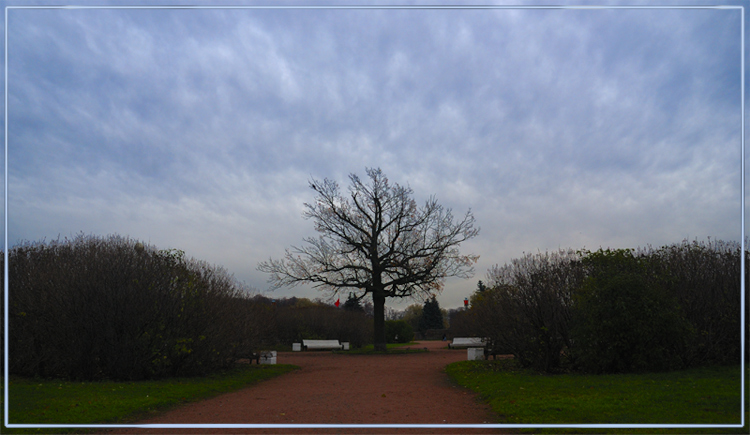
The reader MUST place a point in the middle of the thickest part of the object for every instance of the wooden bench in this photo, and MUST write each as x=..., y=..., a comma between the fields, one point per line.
x=321, y=344
x=464, y=342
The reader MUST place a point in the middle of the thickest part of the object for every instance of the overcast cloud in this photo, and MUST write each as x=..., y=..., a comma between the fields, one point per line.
x=199, y=129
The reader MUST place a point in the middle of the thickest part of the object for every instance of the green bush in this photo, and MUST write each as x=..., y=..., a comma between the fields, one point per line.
x=398, y=331
x=624, y=320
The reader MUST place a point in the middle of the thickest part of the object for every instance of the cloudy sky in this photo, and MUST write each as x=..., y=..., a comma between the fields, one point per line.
x=199, y=129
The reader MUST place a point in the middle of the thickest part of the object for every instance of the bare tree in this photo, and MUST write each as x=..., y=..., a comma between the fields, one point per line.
x=378, y=242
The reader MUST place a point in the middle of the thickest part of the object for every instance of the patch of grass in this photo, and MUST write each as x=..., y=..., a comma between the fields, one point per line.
x=278, y=348
x=697, y=396
x=43, y=401
x=393, y=349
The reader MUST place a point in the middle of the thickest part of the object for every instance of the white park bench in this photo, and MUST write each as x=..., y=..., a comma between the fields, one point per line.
x=321, y=344
x=464, y=342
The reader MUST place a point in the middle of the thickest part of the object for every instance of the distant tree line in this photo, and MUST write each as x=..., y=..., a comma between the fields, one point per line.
x=613, y=311
x=290, y=320
x=423, y=319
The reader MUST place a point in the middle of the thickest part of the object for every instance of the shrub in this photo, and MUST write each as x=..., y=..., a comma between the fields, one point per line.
x=94, y=308
x=461, y=324
x=303, y=319
x=704, y=280
x=624, y=318
x=615, y=310
x=526, y=310
x=398, y=331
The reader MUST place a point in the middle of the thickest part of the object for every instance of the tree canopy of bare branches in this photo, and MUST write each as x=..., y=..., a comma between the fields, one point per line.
x=376, y=241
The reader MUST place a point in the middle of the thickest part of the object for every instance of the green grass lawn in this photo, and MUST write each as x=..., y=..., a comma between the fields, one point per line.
x=37, y=401
x=518, y=396
x=393, y=348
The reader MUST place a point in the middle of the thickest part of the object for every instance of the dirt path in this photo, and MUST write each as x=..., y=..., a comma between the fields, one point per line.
x=343, y=389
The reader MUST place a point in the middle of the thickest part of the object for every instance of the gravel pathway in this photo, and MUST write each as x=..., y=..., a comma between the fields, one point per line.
x=344, y=389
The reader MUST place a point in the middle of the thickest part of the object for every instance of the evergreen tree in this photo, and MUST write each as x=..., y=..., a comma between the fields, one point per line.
x=352, y=304
x=432, y=317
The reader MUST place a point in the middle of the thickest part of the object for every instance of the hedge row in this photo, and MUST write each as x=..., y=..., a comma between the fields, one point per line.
x=288, y=321
x=93, y=308
x=614, y=310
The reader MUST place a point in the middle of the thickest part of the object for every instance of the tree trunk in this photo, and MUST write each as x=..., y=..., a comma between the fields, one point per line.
x=378, y=301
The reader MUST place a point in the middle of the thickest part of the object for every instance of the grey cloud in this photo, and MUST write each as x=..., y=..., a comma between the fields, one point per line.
x=199, y=129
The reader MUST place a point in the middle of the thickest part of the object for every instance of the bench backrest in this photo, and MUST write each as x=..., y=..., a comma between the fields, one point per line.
x=321, y=344
x=464, y=341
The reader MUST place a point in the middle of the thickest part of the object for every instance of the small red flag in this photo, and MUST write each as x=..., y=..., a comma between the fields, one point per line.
x=338, y=301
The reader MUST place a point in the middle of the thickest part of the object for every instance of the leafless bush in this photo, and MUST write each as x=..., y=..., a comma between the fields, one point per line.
x=462, y=323
x=317, y=321
x=528, y=308
x=92, y=308
x=704, y=277
x=526, y=311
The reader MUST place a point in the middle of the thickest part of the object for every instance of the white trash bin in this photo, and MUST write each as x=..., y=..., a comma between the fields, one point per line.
x=296, y=347
x=268, y=357
x=346, y=345
x=475, y=353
